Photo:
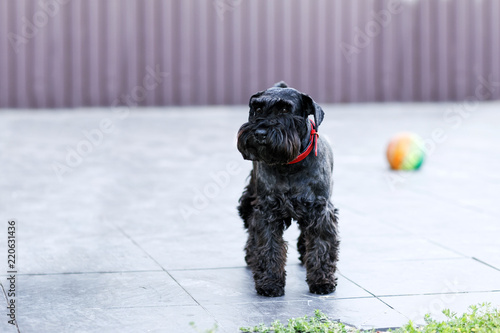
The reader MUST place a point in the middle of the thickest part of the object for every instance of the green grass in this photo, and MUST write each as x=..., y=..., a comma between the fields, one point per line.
x=479, y=319
x=482, y=318
x=317, y=324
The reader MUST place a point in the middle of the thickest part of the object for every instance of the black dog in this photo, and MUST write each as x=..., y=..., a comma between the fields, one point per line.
x=288, y=181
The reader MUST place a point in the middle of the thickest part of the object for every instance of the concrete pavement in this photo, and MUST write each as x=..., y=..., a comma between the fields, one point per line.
x=127, y=222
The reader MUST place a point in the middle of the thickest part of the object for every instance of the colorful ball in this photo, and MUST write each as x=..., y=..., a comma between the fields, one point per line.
x=406, y=152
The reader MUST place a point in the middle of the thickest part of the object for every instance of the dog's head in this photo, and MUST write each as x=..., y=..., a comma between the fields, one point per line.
x=277, y=124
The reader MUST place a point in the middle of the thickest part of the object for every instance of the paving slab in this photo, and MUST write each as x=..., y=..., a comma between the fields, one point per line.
x=363, y=225
x=417, y=306
x=101, y=290
x=402, y=277
x=365, y=313
x=142, y=232
x=77, y=246
x=390, y=248
x=99, y=300
x=473, y=243
x=236, y=286
x=138, y=319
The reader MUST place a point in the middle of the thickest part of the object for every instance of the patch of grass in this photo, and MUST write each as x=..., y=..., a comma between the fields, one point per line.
x=319, y=323
x=482, y=318
x=479, y=319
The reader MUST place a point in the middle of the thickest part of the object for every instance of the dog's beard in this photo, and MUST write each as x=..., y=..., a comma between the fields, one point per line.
x=282, y=143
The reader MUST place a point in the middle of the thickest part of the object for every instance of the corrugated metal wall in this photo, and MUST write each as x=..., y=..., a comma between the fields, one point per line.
x=69, y=53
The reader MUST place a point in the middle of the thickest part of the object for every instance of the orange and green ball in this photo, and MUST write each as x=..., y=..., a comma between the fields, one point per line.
x=406, y=152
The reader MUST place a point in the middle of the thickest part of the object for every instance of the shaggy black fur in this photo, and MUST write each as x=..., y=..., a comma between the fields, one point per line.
x=277, y=131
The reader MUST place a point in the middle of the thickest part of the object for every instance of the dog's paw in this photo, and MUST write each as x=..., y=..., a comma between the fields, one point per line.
x=271, y=291
x=322, y=288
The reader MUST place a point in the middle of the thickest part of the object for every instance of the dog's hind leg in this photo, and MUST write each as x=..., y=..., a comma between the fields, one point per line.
x=301, y=247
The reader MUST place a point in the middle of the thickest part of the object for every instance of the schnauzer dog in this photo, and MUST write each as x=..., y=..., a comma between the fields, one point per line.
x=288, y=182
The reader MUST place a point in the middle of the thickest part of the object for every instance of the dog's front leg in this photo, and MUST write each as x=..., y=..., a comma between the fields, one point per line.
x=321, y=250
x=269, y=257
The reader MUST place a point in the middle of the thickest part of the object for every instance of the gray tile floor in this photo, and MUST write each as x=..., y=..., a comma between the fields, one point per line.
x=140, y=233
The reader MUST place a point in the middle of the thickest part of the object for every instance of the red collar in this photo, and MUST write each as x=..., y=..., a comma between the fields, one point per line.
x=313, y=141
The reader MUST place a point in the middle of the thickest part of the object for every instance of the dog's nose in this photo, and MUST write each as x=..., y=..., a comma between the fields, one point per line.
x=260, y=135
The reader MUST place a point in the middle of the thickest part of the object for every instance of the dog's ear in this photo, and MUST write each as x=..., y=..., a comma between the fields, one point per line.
x=311, y=107
x=281, y=84
x=255, y=96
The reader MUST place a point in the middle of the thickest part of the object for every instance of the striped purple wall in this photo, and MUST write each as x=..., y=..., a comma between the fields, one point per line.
x=96, y=52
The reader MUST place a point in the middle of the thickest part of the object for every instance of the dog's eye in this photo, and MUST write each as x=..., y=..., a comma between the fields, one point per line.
x=284, y=110
x=258, y=111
